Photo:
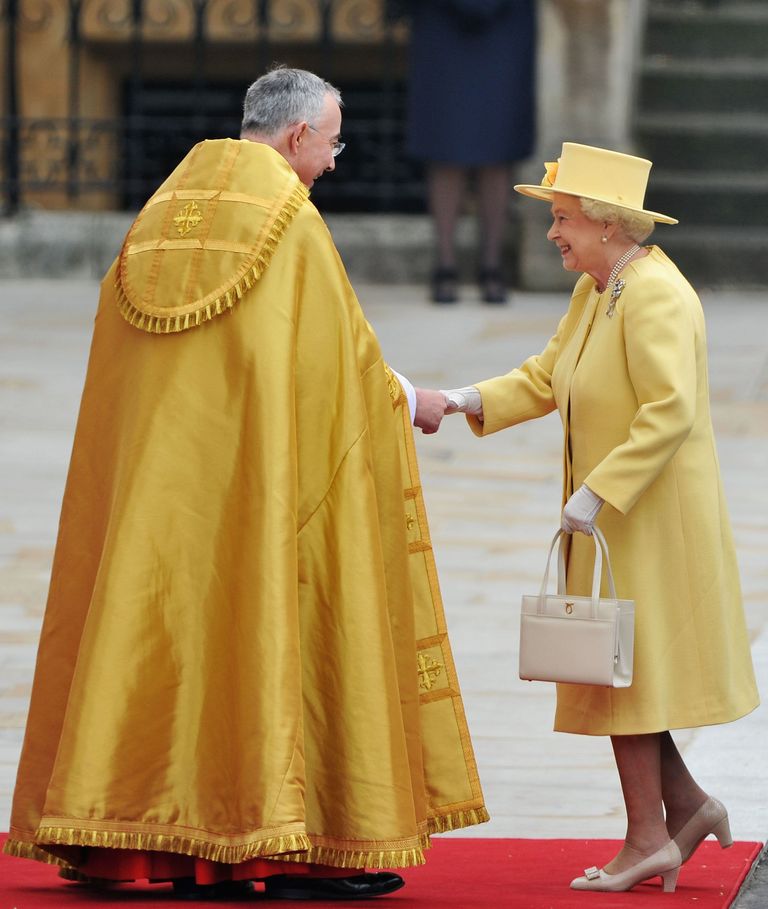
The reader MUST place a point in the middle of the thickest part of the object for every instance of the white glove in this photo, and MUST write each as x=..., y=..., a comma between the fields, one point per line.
x=581, y=510
x=466, y=400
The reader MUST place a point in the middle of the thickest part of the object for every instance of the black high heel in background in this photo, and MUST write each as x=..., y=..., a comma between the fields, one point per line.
x=492, y=288
x=444, y=285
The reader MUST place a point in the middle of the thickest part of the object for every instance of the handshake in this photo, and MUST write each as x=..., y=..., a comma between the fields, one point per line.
x=432, y=406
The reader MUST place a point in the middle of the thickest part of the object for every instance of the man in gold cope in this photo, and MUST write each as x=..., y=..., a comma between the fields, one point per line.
x=244, y=671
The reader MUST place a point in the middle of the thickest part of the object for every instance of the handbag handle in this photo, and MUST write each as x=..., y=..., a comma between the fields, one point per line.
x=601, y=546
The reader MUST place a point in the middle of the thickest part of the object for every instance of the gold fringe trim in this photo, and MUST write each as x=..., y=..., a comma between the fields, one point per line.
x=456, y=820
x=168, y=324
x=31, y=851
x=391, y=858
x=271, y=847
x=291, y=848
x=362, y=858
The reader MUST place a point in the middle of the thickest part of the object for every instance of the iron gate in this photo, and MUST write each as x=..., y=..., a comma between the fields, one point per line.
x=127, y=86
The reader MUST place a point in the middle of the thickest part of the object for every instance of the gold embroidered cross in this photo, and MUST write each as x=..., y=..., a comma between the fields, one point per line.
x=188, y=218
x=429, y=670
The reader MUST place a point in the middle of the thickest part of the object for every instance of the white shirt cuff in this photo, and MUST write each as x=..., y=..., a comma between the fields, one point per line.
x=410, y=393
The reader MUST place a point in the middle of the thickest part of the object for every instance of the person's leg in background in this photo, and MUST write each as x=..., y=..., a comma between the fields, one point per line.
x=446, y=185
x=493, y=185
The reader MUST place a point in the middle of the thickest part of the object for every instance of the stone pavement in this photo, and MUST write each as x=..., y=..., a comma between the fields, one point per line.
x=493, y=506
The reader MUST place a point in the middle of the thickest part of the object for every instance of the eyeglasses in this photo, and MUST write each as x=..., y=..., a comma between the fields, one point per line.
x=337, y=147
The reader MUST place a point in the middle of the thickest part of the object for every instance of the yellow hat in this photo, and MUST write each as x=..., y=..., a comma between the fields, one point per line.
x=596, y=173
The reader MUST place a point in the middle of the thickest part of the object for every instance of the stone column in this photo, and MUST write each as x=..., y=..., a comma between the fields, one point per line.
x=588, y=57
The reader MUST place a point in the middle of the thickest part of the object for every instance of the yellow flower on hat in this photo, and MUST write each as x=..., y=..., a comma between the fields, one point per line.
x=551, y=175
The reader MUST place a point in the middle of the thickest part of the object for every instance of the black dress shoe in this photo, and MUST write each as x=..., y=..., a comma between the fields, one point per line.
x=97, y=883
x=357, y=887
x=185, y=888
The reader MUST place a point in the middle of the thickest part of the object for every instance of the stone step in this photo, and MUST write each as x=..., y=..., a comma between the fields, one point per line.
x=684, y=30
x=728, y=85
x=710, y=198
x=701, y=118
x=701, y=142
x=718, y=256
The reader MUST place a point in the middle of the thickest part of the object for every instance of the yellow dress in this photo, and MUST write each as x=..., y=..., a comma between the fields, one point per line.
x=632, y=392
x=244, y=651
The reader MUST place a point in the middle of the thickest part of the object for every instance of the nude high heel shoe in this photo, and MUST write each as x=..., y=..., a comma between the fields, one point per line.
x=710, y=818
x=664, y=863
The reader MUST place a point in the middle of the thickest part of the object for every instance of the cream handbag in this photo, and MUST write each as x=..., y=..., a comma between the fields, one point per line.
x=577, y=639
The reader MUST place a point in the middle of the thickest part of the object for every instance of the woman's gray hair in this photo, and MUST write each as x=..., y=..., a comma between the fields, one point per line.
x=636, y=225
x=284, y=96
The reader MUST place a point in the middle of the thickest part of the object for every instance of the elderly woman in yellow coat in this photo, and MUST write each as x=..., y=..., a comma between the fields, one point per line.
x=627, y=370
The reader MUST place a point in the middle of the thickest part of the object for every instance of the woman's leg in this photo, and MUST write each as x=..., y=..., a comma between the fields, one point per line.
x=446, y=184
x=493, y=182
x=691, y=814
x=638, y=760
x=681, y=793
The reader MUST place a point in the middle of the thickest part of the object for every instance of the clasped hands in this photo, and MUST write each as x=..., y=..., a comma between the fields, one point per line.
x=432, y=406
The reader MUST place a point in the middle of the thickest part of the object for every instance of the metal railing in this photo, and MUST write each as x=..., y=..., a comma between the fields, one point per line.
x=132, y=84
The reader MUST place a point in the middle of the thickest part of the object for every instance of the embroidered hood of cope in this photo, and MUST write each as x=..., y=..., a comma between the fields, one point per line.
x=206, y=235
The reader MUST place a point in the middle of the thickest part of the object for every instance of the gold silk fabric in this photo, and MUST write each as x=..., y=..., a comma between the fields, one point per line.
x=244, y=651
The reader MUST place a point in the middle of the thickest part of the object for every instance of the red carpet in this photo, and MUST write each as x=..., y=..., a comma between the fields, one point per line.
x=460, y=874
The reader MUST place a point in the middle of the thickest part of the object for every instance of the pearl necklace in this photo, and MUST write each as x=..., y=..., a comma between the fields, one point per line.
x=617, y=286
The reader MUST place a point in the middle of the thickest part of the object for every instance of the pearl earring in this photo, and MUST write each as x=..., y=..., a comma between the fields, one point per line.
x=604, y=239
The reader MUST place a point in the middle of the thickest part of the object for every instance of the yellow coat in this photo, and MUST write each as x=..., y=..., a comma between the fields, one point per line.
x=244, y=651
x=632, y=392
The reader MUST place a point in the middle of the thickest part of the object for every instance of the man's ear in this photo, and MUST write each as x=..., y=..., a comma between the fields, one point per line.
x=295, y=135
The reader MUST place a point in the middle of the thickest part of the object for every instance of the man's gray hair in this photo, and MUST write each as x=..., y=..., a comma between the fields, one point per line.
x=635, y=224
x=282, y=97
